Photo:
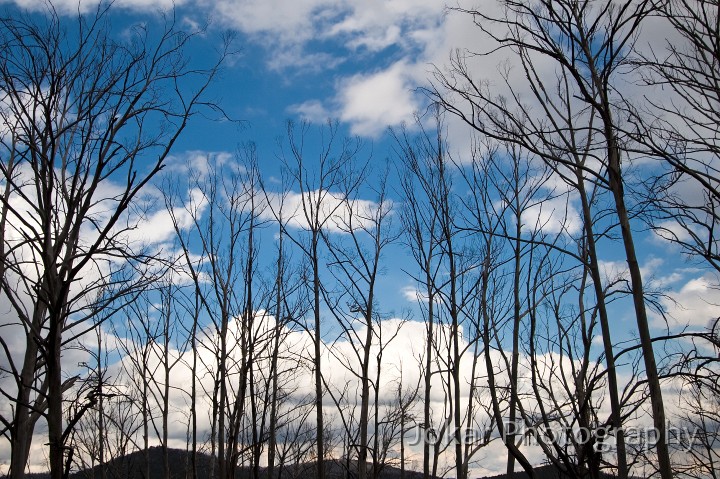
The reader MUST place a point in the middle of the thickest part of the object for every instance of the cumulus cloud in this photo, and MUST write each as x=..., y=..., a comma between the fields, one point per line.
x=371, y=103
x=553, y=216
x=87, y=6
x=401, y=356
x=357, y=34
x=694, y=303
x=198, y=163
x=368, y=102
x=279, y=21
x=356, y=31
x=413, y=294
x=311, y=110
x=336, y=212
x=356, y=23
x=669, y=232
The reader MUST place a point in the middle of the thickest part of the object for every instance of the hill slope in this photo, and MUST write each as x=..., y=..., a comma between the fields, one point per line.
x=132, y=466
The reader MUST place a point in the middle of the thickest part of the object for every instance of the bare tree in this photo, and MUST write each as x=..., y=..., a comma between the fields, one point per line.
x=88, y=121
x=282, y=360
x=403, y=415
x=190, y=307
x=100, y=441
x=680, y=126
x=364, y=232
x=316, y=208
x=166, y=352
x=420, y=225
x=224, y=207
x=423, y=229
x=95, y=387
x=449, y=260
x=280, y=312
x=136, y=347
x=695, y=439
x=587, y=42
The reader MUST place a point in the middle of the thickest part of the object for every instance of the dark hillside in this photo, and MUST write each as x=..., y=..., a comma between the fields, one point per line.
x=541, y=472
x=132, y=467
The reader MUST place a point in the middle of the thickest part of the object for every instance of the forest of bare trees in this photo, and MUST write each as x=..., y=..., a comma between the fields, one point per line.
x=253, y=331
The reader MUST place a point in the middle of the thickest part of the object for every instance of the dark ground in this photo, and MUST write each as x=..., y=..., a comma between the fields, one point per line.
x=132, y=467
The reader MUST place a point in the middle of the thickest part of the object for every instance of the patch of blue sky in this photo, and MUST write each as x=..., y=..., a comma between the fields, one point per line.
x=295, y=74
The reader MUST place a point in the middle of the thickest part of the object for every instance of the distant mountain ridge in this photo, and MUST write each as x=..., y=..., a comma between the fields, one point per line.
x=132, y=466
x=543, y=472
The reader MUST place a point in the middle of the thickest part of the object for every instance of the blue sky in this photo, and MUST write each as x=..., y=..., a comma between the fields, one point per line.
x=355, y=61
x=360, y=62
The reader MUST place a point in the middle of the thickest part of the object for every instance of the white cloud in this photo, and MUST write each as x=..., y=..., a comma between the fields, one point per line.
x=669, y=232
x=413, y=294
x=198, y=163
x=695, y=304
x=311, y=110
x=295, y=57
x=373, y=24
x=368, y=102
x=280, y=21
x=553, y=216
x=158, y=227
x=87, y=6
x=613, y=272
x=654, y=274
x=371, y=103
x=337, y=213
x=377, y=24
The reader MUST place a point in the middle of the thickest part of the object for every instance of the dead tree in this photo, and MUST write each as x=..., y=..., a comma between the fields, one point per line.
x=312, y=181
x=587, y=43
x=89, y=122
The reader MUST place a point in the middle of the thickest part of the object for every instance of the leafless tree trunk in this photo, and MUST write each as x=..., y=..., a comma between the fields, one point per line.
x=80, y=106
x=356, y=265
x=280, y=280
x=600, y=38
x=140, y=337
x=317, y=208
x=225, y=206
x=680, y=127
x=420, y=225
x=166, y=344
x=432, y=231
x=678, y=124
